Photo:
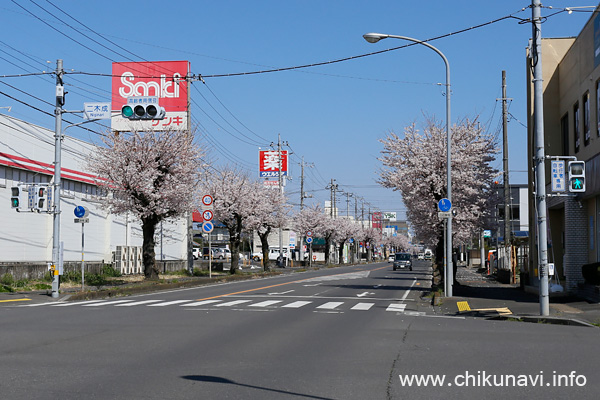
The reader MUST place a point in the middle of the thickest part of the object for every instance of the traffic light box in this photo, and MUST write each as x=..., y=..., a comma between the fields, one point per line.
x=577, y=176
x=142, y=108
x=16, y=198
x=40, y=198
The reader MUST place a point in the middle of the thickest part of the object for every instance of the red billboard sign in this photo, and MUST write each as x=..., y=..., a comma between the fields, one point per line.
x=163, y=79
x=269, y=162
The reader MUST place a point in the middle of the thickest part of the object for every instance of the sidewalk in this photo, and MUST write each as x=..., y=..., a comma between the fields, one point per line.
x=480, y=295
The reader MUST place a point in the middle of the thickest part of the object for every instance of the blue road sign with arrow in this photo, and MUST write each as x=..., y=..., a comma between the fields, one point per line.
x=444, y=205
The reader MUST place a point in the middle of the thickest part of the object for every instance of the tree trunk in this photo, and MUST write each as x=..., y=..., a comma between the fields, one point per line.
x=341, y=252
x=148, y=255
x=235, y=239
x=264, y=242
x=327, y=247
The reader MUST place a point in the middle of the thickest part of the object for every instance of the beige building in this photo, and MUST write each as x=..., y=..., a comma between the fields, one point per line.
x=571, y=75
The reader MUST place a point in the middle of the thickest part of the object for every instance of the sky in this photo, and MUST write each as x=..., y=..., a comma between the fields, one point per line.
x=332, y=114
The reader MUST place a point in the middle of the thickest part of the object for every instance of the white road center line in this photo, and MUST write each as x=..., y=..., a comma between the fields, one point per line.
x=408, y=291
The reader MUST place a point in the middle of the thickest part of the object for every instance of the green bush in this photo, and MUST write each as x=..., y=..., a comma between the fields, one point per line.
x=42, y=286
x=47, y=277
x=21, y=283
x=72, y=276
x=200, y=272
x=7, y=279
x=108, y=270
x=95, y=280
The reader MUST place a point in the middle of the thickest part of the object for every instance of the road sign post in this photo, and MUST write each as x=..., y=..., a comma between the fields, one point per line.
x=81, y=214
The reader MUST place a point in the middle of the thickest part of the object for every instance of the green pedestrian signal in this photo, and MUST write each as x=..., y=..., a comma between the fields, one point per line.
x=577, y=176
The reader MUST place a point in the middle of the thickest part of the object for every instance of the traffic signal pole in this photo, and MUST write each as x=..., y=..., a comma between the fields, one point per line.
x=60, y=101
x=540, y=169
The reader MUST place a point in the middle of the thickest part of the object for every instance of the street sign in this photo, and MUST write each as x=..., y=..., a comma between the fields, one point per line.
x=81, y=212
x=309, y=240
x=207, y=227
x=96, y=110
x=444, y=214
x=309, y=233
x=81, y=220
x=207, y=215
x=558, y=176
x=487, y=233
x=444, y=205
x=207, y=200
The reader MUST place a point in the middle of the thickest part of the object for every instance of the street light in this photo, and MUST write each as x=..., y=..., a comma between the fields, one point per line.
x=448, y=270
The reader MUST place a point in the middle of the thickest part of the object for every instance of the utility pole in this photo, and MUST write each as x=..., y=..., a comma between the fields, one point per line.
x=60, y=101
x=348, y=195
x=507, y=214
x=302, y=197
x=279, y=159
x=540, y=169
x=332, y=186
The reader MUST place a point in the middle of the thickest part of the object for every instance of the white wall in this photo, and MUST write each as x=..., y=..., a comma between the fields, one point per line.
x=27, y=155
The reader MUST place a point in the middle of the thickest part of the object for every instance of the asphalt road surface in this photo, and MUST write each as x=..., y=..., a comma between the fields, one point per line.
x=357, y=332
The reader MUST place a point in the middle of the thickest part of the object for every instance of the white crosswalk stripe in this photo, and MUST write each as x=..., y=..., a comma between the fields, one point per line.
x=233, y=303
x=330, y=305
x=170, y=303
x=265, y=303
x=398, y=307
x=137, y=303
x=200, y=303
x=363, y=306
x=79, y=303
x=106, y=303
x=296, y=304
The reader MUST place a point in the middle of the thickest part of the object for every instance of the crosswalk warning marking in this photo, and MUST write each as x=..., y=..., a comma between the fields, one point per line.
x=463, y=306
x=201, y=303
x=80, y=303
x=398, y=307
x=137, y=303
x=170, y=303
x=106, y=303
x=233, y=303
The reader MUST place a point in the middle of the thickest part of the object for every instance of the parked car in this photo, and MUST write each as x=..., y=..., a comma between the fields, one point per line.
x=402, y=261
x=222, y=253
x=391, y=258
x=205, y=253
x=196, y=251
x=274, y=253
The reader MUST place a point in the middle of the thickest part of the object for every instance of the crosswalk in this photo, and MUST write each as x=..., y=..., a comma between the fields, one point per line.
x=228, y=303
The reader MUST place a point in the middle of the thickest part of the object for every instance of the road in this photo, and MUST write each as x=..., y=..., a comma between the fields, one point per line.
x=340, y=333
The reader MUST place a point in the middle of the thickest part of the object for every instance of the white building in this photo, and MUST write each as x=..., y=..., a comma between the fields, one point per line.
x=27, y=156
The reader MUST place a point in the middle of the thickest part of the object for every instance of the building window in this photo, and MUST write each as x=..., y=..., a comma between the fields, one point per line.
x=564, y=134
x=598, y=108
x=576, y=127
x=586, y=119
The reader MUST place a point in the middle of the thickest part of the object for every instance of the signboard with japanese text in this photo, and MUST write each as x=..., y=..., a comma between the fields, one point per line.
x=558, y=176
x=164, y=79
x=376, y=220
x=269, y=163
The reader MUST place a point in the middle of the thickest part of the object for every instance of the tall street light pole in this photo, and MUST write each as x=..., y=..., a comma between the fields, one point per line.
x=448, y=271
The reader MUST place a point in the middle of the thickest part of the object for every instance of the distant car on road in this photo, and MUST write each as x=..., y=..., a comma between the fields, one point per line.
x=196, y=252
x=402, y=261
x=391, y=258
x=421, y=256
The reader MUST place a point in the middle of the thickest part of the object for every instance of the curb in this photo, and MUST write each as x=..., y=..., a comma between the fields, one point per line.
x=539, y=319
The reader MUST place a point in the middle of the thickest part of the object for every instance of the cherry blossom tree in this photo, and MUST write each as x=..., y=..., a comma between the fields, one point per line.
x=271, y=212
x=415, y=165
x=153, y=175
x=236, y=203
x=344, y=230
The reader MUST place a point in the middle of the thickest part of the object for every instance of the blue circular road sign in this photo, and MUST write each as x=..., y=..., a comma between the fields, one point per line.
x=207, y=227
x=444, y=205
x=80, y=212
x=309, y=240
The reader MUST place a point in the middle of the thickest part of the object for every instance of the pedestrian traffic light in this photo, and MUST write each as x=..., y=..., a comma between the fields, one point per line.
x=16, y=198
x=577, y=176
x=40, y=198
x=142, y=107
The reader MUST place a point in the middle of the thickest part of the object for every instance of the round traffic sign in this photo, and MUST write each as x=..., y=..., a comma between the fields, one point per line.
x=444, y=205
x=207, y=227
x=207, y=199
x=314, y=258
x=81, y=212
x=207, y=215
x=308, y=233
x=309, y=240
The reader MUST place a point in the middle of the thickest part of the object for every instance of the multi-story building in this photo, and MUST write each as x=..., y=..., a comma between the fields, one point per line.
x=571, y=85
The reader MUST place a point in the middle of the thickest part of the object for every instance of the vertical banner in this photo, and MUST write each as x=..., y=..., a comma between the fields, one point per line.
x=166, y=80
